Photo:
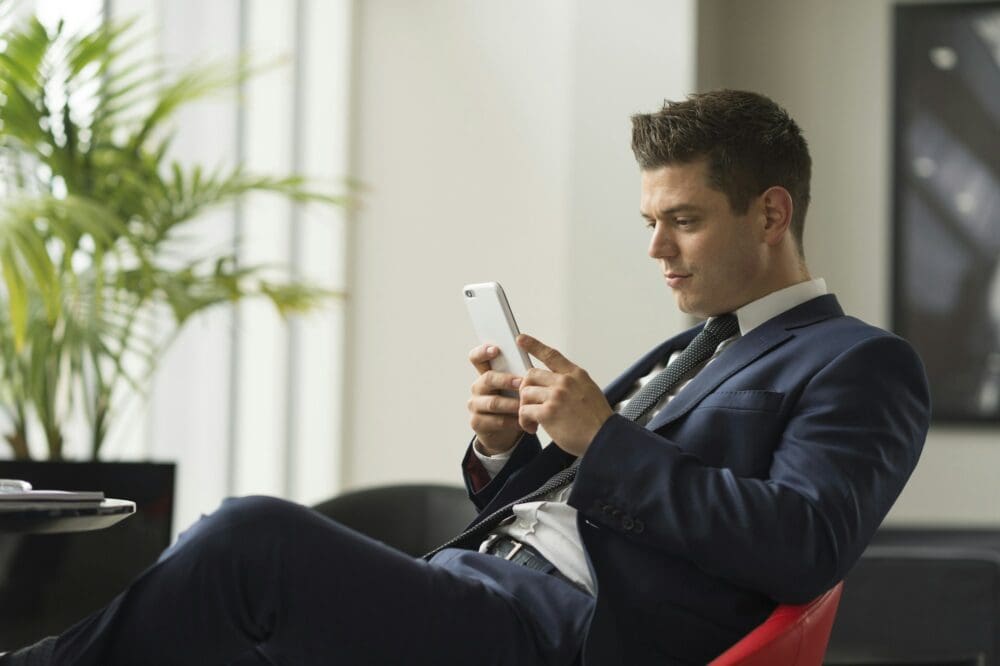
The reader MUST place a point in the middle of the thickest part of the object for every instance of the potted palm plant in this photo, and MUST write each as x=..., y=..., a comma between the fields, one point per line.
x=96, y=277
x=92, y=226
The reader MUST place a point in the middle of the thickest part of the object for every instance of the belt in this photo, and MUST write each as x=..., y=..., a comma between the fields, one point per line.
x=514, y=551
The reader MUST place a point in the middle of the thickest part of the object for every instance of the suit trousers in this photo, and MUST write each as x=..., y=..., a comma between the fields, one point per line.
x=262, y=581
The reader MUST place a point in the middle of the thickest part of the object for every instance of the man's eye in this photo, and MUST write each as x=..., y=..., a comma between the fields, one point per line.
x=650, y=224
x=684, y=222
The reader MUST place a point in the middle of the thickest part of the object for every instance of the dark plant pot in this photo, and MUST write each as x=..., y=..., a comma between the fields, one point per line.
x=48, y=582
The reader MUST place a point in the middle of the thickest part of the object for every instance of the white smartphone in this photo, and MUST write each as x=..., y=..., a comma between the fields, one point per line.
x=494, y=323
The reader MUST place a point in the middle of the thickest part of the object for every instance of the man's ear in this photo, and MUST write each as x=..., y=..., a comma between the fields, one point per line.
x=777, y=208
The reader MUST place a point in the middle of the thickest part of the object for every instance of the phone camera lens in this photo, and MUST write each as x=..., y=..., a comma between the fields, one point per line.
x=468, y=292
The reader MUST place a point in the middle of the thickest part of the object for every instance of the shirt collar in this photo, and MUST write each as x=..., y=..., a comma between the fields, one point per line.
x=755, y=313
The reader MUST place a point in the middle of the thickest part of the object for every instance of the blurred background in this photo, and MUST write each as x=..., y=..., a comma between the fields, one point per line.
x=490, y=142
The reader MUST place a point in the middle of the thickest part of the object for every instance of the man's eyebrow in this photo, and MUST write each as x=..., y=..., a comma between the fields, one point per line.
x=674, y=210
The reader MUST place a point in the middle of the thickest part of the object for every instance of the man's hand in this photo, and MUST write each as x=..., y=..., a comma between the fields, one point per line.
x=494, y=416
x=563, y=399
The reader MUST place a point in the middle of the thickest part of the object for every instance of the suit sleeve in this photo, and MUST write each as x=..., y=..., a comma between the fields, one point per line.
x=848, y=447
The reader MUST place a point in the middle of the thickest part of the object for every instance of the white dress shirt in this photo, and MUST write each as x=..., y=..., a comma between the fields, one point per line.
x=549, y=525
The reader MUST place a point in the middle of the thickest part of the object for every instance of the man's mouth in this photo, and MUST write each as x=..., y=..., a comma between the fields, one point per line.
x=676, y=279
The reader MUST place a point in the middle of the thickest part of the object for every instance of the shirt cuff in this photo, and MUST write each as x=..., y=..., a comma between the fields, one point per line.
x=493, y=464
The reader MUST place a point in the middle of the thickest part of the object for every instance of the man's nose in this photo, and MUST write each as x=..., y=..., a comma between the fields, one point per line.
x=661, y=244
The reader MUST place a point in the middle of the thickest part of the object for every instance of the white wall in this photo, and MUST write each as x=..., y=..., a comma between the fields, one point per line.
x=493, y=140
x=829, y=63
x=627, y=58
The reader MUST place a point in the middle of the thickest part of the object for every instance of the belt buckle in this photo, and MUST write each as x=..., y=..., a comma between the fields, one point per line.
x=488, y=543
x=514, y=551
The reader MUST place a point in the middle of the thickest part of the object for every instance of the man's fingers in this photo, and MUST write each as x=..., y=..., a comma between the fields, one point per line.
x=487, y=423
x=552, y=359
x=491, y=381
x=493, y=404
x=534, y=395
x=481, y=356
x=527, y=418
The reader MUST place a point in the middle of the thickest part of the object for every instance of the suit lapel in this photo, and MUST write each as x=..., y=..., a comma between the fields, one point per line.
x=737, y=356
x=744, y=351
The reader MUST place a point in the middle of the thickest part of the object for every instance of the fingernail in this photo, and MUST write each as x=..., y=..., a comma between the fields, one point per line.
x=515, y=382
x=491, y=350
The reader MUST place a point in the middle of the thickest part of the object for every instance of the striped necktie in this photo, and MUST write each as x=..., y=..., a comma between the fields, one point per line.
x=700, y=350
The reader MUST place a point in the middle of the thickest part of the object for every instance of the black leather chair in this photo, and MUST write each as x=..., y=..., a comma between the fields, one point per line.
x=412, y=518
x=906, y=605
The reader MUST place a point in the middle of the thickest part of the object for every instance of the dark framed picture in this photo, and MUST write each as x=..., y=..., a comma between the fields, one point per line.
x=946, y=182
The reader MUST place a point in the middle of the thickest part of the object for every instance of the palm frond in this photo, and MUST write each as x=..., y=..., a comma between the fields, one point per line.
x=188, y=87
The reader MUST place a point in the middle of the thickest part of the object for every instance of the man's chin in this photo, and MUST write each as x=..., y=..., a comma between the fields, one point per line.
x=689, y=308
x=686, y=307
x=684, y=304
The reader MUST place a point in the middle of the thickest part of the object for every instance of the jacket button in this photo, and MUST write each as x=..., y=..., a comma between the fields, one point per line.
x=628, y=523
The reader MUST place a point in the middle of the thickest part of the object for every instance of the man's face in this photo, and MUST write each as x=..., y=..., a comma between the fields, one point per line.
x=712, y=259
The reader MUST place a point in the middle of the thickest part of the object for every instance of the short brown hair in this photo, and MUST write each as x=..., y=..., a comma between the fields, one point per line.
x=750, y=144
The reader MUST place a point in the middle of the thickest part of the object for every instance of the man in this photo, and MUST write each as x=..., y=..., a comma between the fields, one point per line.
x=741, y=464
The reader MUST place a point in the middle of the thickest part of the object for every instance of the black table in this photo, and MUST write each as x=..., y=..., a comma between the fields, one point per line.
x=36, y=518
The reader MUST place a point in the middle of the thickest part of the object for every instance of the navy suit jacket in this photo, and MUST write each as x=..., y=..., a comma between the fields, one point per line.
x=760, y=483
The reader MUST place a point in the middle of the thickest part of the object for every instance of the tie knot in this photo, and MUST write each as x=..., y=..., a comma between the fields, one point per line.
x=722, y=327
